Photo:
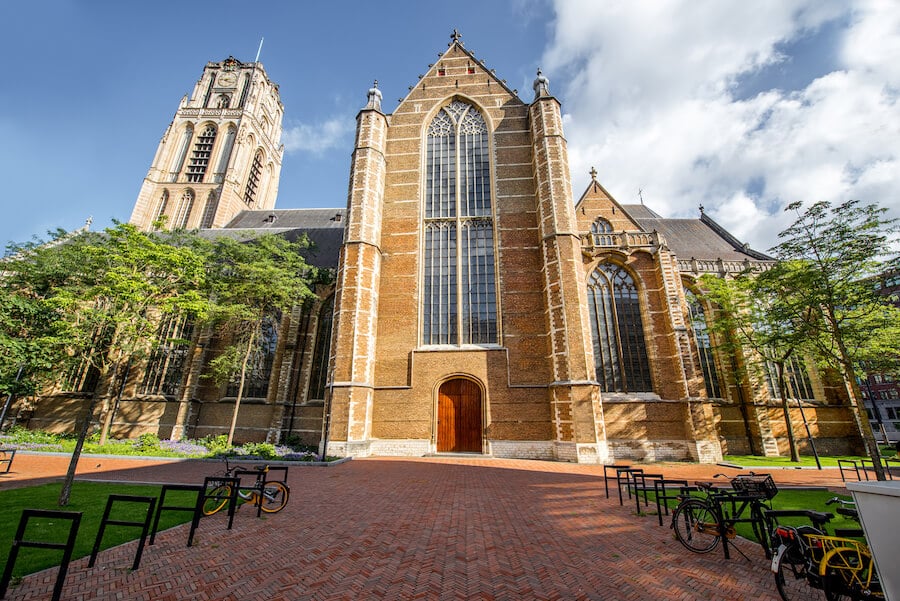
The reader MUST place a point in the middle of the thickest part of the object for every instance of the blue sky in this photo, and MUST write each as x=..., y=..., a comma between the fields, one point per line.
x=741, y=107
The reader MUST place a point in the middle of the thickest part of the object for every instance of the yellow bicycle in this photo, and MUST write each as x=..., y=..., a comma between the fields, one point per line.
x=808, y=560
x=272, y=496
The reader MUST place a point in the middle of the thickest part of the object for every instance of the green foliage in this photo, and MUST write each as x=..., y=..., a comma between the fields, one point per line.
x=829, y=261
x=263, y=450
x=148, y=442
x=217, y=445
x=252, y=283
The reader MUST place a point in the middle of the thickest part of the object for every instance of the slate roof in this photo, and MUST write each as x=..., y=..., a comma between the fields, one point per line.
x=701, y=239
x=323, y=227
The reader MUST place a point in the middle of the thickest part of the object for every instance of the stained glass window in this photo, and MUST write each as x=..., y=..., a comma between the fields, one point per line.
x=620, y=353
x=459, y=289
x=704, y=345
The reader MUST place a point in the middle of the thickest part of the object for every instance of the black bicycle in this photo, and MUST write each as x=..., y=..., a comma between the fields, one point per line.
x=808, y=563
x=700, y=522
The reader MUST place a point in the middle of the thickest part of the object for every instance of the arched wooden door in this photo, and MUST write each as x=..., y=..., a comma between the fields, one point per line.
x=459, y=417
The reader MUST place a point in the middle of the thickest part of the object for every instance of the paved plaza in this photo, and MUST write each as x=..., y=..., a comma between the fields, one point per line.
x=430, y=528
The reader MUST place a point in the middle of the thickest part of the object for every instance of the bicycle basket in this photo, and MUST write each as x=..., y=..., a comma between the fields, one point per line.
x=761, y=486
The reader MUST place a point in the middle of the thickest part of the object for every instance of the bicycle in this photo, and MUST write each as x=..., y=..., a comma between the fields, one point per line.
x=269, y=496
x=808, y=560
x=701, y=522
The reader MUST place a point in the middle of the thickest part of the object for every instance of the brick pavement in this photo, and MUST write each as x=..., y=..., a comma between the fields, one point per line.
x=430, y=528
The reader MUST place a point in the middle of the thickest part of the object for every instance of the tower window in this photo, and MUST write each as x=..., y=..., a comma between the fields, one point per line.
x=200, y=156
x=459, y=289
x=184, y=210
x=209, y=211
x=253, y=179
x=162, y=206
x=182, y=153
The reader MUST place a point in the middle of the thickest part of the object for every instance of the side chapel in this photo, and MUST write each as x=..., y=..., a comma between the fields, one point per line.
x=477, y=307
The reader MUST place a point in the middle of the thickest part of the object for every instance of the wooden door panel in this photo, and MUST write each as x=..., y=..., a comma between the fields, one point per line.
x=459, y=417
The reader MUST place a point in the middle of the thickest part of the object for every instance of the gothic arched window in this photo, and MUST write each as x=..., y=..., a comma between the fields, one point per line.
x=704, y=345
x=200, y=157
x=224, y=155
x=184, y=210
x=601, y=232
x=459, y=288
x=166, y=363
x=259, y=365
x=319, y=374
x=182, y=152
x=162, y=206
x=209, y=211
x=620, y=353
x=253, y=179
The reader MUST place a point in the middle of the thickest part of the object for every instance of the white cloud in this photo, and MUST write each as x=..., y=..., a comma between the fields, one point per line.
x=648, y=91
x=318, y=137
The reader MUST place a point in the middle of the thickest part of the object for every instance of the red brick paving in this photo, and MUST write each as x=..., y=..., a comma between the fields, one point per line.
x=430, y=528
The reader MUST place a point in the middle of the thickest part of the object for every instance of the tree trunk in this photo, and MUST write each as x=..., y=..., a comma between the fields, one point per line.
x=66, y=490
x=788, y=424
x=862, y=422
x=240, y=393
x=848, y=375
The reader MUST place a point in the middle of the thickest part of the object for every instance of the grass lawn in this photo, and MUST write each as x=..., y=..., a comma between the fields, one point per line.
x=795, y=499
x=89, y=498
x=805, y=460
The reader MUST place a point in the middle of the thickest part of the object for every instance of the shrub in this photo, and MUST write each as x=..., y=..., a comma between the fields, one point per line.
x=217, y=445
x=147, y=442
x=263, y=450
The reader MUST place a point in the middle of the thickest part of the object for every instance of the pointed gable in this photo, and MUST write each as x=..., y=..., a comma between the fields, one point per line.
x=597, y=203
x=458, y=72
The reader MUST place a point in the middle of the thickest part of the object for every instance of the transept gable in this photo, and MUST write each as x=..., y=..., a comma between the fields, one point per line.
x=597, y=203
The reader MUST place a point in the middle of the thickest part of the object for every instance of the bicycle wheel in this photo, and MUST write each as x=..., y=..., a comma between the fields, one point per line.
x=275, y=497
x=791, y=581
x=216, y=499
x=696, y=526
x=848, y=577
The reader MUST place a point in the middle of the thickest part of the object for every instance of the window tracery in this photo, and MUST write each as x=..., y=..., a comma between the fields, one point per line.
x=620, y=354
x=459, y=287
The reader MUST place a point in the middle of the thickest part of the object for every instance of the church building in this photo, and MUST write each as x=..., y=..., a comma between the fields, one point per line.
x=478, y=306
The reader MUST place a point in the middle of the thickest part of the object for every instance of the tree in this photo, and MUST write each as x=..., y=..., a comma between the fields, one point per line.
x=829, y=259
x=32, y=341
x=750, y=316
x=108, y=291
x=251, y=284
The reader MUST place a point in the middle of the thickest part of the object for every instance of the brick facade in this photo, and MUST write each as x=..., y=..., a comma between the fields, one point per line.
x=538, y=393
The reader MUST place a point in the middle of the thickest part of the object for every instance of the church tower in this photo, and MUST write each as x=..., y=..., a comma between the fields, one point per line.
x=220, y=155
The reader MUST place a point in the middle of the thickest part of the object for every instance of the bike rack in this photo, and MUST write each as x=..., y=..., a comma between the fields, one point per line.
x=607, y=478
x=259, y=485
x=66, y=547
x=211, y=482
x=639, y=482
x=195, y=518
x=661, y=490
x=855, y=467
x=144, y=525
x=624, y=476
